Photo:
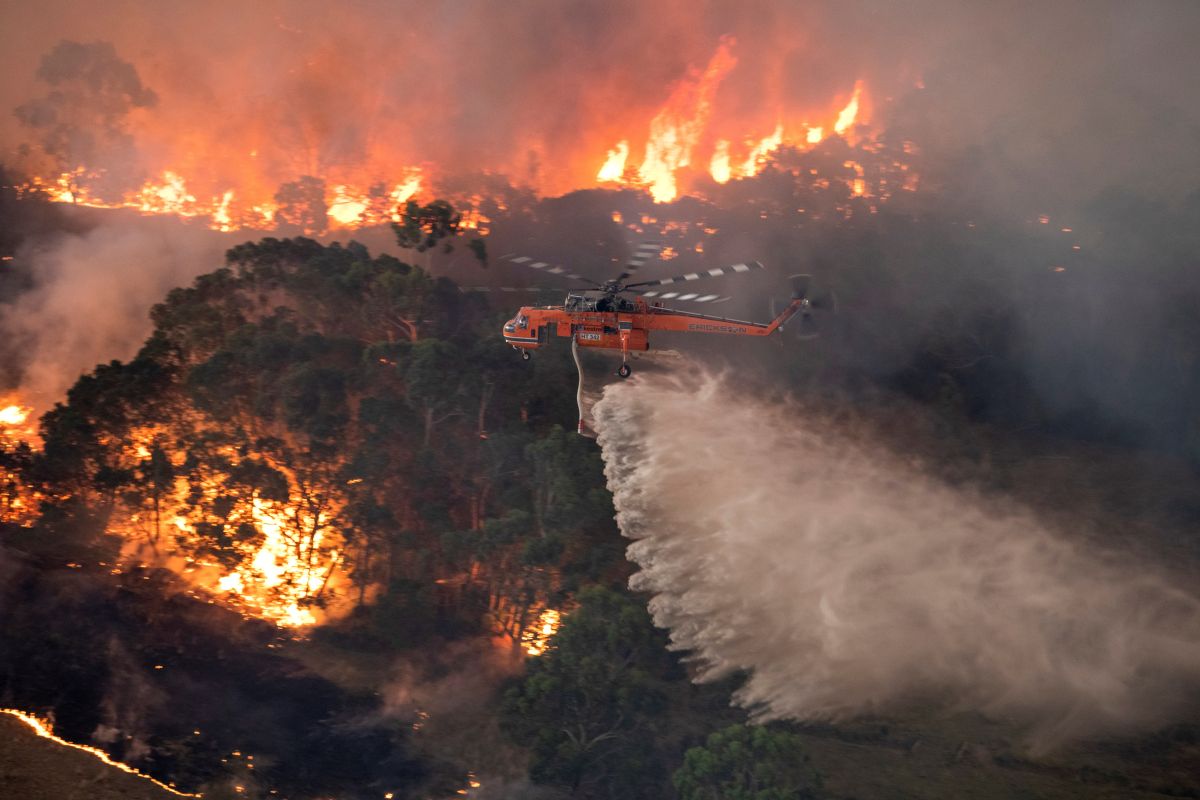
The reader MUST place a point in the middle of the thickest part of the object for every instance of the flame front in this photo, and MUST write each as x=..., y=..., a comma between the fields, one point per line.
x=683, y=124
x=43, y=729
x=252, y=177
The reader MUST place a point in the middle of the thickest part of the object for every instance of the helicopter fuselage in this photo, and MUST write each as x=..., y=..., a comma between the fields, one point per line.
x=627, y=327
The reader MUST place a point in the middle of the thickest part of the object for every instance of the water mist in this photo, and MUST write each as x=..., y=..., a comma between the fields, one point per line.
x=845, y=581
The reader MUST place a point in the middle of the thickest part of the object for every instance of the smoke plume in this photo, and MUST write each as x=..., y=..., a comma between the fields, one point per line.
x=93, y=296
x=846, y=581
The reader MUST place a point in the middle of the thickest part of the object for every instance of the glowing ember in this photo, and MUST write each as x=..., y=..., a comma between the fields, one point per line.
x=43, y=729
x=858, y=186
x=472, y=784
x=814, y=135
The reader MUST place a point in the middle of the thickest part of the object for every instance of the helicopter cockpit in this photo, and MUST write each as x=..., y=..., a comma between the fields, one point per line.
x=520, y=321
x=601, y=302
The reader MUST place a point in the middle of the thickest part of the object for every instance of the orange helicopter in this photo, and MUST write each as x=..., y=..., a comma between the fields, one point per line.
x=600, y=317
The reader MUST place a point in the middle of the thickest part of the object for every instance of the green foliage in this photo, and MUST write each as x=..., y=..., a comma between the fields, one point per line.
x=589, y=706
x=747, y=762
x=424, y=227
x=375, y=410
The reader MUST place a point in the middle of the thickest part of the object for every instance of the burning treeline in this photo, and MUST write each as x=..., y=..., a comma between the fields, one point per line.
x=309, y=430
x=103, y=131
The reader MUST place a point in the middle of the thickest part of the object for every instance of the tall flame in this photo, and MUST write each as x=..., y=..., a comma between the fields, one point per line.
x=719, y=166
x=675, y=131
x=614, y=165
x=850, y=112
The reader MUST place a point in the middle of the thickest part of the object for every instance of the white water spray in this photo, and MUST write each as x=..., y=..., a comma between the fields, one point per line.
x=847, y=582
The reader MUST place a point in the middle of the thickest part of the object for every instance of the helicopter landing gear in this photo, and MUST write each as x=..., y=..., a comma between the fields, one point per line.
x=624, y=371
x=526, y=355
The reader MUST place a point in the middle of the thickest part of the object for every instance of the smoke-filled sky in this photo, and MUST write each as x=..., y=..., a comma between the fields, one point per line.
x=539, y=90
x=1027, y=108
x=847, y=581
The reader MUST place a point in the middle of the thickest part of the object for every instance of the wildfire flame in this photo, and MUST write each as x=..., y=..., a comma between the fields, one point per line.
x=16, y=419
x=43, y=729
x=676, y=130
x=614, y=165
x=850, y=113
x=278, y=579
x=537, y=637
x=237, y=183
x=13, y=415
x=347, y=205
x=680, y=127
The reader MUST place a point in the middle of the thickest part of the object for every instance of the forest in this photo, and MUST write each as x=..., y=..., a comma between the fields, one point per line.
x=326, y=535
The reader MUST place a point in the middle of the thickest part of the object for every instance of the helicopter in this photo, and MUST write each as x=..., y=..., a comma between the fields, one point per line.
x=602, y=317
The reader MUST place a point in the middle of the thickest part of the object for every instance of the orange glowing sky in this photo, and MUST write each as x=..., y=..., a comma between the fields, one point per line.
x=387, y=100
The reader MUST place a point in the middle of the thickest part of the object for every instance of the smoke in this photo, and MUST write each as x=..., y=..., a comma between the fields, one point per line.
x=847, y=581
x=448, y=696
x=93, y=295
x=81, y=121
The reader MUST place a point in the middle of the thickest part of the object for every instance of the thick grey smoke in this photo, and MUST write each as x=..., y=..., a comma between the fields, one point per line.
x=848, y=582
x=93, y=296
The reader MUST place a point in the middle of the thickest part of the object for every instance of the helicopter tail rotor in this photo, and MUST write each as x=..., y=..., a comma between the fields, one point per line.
x=817, y=301
x=800, y=284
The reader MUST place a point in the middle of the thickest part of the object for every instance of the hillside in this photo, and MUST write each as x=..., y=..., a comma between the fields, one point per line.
x=33, y=767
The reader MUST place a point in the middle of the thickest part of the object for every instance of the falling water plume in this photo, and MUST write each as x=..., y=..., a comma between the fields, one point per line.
x=846, y=581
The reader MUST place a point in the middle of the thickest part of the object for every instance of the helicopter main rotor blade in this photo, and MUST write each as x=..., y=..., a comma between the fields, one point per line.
x=695, y=276
x=546, y=267
x=507, y=289
x=691, y=297
x=644, y=252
